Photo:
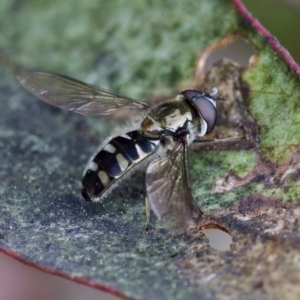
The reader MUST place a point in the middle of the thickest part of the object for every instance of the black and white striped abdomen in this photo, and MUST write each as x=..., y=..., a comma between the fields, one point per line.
x=113, y=161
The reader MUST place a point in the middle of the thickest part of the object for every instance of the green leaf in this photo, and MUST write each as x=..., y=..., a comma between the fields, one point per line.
x=248, y=186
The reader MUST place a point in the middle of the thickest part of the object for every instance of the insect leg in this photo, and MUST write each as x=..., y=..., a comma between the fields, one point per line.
x=147, y=206
x=215, y=141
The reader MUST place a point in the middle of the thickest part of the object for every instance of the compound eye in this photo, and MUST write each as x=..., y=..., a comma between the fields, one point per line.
x=205, y=106
x=208, y=111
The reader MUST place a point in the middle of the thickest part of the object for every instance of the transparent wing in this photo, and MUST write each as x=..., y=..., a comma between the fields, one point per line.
x=168, y=189
x=74, y=95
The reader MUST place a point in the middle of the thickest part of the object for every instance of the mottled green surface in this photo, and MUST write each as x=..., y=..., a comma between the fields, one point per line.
x=142, y=50
x=207, y=167
x=274, y=102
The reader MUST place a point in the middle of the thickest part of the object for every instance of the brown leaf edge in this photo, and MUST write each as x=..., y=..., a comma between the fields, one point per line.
x=270, y=39
x=81, y=280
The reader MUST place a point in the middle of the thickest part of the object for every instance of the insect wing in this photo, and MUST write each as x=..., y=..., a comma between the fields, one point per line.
x=74, y=95
x=168, y=189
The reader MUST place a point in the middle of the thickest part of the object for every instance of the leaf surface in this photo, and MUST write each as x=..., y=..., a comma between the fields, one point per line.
x=250, y=187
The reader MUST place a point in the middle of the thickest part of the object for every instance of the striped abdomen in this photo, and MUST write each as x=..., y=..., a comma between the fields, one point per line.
x=113, y=161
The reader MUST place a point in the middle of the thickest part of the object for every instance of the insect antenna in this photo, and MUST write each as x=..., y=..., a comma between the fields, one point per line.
x=214, y=91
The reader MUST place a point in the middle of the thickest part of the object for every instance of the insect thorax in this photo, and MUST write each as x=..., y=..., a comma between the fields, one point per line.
x=167, y=118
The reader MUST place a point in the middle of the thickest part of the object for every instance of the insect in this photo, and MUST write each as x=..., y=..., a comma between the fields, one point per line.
x=161, y=138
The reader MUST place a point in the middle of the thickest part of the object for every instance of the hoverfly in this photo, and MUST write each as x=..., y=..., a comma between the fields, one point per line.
x=162, y=138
